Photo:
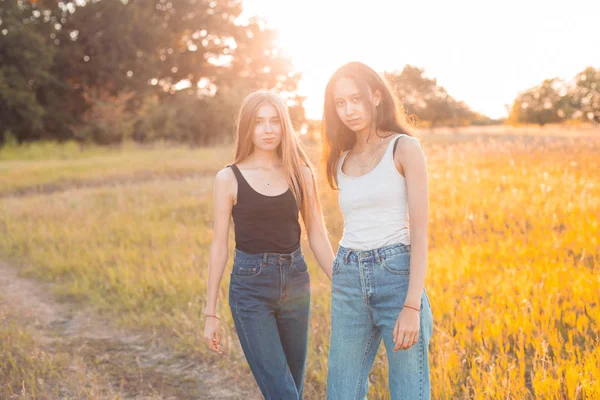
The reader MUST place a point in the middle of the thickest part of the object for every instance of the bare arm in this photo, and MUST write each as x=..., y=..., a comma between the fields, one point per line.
x=411, y=160
x=219, y=250
x=413, y=164
x=315, y=227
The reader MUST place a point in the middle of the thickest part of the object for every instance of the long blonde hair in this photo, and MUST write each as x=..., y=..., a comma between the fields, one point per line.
x=290, y=149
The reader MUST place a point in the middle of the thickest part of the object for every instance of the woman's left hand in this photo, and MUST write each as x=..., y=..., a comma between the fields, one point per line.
x=406, y=331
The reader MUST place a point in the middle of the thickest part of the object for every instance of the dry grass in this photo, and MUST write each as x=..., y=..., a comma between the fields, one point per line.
x=514, y=273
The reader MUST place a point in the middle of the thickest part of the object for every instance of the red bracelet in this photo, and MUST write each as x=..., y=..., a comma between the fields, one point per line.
x=214, y=316
x=412, y=308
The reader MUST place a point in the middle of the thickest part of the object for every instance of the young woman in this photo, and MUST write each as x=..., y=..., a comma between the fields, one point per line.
x=269, y=184
x=379, y=272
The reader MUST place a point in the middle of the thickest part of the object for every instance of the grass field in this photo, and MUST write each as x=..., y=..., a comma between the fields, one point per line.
x=513, y=278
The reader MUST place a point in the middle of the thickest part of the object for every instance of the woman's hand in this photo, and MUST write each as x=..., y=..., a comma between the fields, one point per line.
x=406, y=331
x=212, y=336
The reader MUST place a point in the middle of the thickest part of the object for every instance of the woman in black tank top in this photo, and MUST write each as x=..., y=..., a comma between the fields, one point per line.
x=266, y=189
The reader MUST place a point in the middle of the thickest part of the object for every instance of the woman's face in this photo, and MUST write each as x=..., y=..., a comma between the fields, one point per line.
x=352, y=108
x=267, y=128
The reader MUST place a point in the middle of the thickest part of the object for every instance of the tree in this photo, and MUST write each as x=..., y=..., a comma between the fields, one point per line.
x=584, y=97
x=542, y=104
x=426, y=99
x=148, y=49
x=25, y=63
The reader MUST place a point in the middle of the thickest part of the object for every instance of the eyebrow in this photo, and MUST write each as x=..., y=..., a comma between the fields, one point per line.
x=352, y=95
x=273, y=117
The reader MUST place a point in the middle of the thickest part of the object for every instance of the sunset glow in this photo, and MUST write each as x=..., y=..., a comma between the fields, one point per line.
x=483, y=53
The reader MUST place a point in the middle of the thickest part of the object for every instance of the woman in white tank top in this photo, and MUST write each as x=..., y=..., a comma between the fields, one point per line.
x=379, y=271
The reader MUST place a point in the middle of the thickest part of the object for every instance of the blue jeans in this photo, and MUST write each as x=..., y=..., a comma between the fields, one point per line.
x=269, y=296
x=368, y=292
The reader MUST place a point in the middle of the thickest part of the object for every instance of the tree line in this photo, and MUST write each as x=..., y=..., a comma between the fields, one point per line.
x=111, y=70
x=106, y=71
x=557, y=101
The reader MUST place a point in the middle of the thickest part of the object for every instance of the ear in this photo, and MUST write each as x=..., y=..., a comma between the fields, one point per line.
x=377, y=98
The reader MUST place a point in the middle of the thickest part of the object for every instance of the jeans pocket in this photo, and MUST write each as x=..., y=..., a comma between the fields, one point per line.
x=397, y=264
x=247, y=270
x=300, y=265
x=338, y=263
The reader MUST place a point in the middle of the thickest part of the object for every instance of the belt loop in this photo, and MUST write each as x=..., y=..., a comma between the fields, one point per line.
x=377, y=256
x=265, y=258
x=296, y=254
x=347, y=258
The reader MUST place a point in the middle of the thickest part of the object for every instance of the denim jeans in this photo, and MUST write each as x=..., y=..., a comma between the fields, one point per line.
x=368, y=292
x=269, y=296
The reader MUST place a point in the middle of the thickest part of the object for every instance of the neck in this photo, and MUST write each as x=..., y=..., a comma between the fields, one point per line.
x=265, y=159
x=366, y=139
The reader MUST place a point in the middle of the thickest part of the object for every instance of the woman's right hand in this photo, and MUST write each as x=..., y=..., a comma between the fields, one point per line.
x=212, y=336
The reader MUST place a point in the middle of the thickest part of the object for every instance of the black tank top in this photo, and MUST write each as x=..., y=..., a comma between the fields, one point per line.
x=264, y=224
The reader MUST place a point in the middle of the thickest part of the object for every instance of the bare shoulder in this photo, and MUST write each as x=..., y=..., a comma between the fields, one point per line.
x=226, y=183
x=225, y=176
x=408, y=147
x=409, y=143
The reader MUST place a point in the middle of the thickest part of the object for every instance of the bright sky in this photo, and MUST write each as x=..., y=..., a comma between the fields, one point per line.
x=482, y=52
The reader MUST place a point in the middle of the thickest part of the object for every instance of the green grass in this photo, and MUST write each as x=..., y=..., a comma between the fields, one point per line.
x=45, y=150
x=101, y=167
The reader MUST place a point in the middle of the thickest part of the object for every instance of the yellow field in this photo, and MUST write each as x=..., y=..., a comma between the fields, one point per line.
x=514, y=273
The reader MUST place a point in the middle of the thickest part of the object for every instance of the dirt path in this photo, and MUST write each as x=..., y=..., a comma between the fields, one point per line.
x=106, y=362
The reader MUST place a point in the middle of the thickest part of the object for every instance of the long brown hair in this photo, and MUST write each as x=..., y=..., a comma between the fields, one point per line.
x=290, y=149
x=388, y=116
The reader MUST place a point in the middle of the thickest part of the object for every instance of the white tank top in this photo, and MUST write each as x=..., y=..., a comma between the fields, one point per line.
x=374, y=205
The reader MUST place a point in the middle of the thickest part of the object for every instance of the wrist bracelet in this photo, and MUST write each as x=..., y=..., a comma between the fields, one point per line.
x=413, y=308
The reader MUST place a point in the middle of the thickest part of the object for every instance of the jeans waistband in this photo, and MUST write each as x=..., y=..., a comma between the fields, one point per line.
x=374, y=254
x=268, y=257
